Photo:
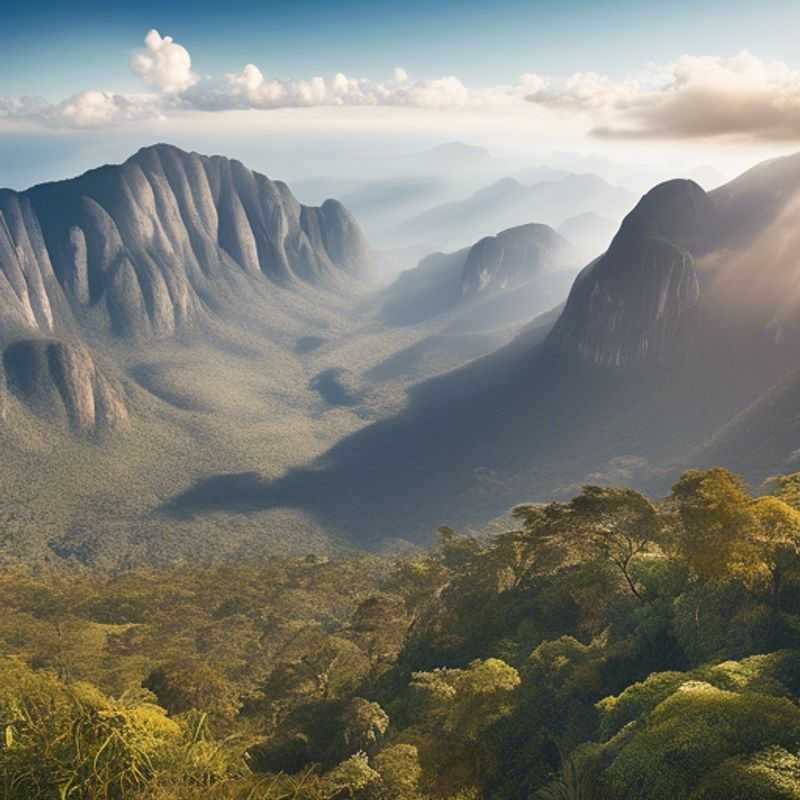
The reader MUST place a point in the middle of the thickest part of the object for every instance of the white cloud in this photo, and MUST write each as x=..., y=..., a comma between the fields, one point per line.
x=95, y=109
x=163, y=64
x=250, y=88
x=88, y=109
x=693, y=98
x=699, y=97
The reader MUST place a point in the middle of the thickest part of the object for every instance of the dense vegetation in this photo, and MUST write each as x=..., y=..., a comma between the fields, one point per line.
x=611, y=647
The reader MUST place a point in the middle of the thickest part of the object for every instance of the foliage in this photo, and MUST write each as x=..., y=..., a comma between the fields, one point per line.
x=607, y=647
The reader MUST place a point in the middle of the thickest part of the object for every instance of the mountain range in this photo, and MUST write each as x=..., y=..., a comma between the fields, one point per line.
x=674, y=336
x=510, y=202
x=148, y=249
x=196, y=365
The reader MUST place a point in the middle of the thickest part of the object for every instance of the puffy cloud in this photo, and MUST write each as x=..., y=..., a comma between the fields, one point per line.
x=699, y=97
x=163, y=64
x=95, y=109
x=88, y=109
x=695, y=97
x=250, y=88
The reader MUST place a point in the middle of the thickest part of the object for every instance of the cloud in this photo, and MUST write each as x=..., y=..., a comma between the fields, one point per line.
x=163, y=64
x=692, y=98
x=96, y=109
x=699, y=97
x=250, y=88
x=88, y=109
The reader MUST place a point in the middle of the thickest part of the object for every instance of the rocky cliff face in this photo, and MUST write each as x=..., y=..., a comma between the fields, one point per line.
x=641, y=299
x=145, y=249
x=149, y=245
x=61, y=380
x=533, y=255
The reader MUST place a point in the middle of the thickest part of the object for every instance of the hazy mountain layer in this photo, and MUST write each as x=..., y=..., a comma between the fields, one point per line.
x=531, y=264
x=509, y=202
x=654, y=351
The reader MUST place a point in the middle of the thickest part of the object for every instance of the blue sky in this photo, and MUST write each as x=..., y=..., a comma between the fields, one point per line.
x=710, y=82
x=52, y=48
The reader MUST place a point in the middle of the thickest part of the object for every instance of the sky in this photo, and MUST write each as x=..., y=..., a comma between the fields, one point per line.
x=300, y=82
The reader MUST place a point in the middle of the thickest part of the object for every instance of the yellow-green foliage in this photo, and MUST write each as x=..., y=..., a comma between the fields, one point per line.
x=72, y=741
x=771, y=774
x=695, y=730
x=594, y=653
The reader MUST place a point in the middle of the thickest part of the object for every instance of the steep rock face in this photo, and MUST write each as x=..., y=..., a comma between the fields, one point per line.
x=513, y=257
x=640, y=300
x=30, y=295
x=143, y=248
x=55, y=379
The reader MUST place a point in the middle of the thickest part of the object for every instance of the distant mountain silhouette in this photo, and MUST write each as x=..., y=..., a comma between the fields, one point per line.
x=509, y=202
x=531, y=265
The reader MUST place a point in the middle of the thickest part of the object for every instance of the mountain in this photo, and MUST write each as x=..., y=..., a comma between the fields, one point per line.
x=531, y=265
x=144, y=250
x=683, y=323
x=508, y=202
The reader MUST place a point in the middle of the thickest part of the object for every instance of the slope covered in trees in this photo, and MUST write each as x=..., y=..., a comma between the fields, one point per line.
x=613, y=646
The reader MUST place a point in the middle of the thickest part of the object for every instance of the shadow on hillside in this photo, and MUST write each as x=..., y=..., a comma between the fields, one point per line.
x=434, y=463
x=515, y=426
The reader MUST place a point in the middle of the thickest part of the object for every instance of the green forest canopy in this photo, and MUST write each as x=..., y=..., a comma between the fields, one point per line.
x=612, y=647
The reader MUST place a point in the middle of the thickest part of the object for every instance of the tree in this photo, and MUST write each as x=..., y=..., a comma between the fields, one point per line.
x=614, y=525
x=398, y=766
x=457, y=708
x=770, y=774
x=717, y=522
x=776, y=542
x=365, y=723
x=621, y=525
x=693, y=732
x=193, y=684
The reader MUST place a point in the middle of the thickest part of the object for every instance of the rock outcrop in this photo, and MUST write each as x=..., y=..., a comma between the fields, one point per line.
x=60, y=380
x=640, y=300
x=513, y=257
x=530, y=255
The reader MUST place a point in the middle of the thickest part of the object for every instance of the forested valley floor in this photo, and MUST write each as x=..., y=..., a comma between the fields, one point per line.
x=613, y=647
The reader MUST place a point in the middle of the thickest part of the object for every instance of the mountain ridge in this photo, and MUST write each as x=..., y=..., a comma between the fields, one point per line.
x=147, y=249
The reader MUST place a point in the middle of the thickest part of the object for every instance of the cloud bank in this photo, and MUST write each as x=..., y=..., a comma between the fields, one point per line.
x=693, y=98
x=697, y=98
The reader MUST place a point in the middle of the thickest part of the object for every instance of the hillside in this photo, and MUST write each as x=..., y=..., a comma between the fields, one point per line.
x=583, y=649
x=645, y=361
x=178, y=317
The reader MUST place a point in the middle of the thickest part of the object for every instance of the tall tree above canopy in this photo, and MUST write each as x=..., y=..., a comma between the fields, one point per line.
x=718, y=521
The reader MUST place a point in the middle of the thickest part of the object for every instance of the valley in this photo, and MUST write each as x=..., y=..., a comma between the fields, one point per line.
x=198, y=367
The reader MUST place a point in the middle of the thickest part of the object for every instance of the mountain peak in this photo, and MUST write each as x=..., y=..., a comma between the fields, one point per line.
x=636, y=300
x=676, y=210
x=150, y=244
